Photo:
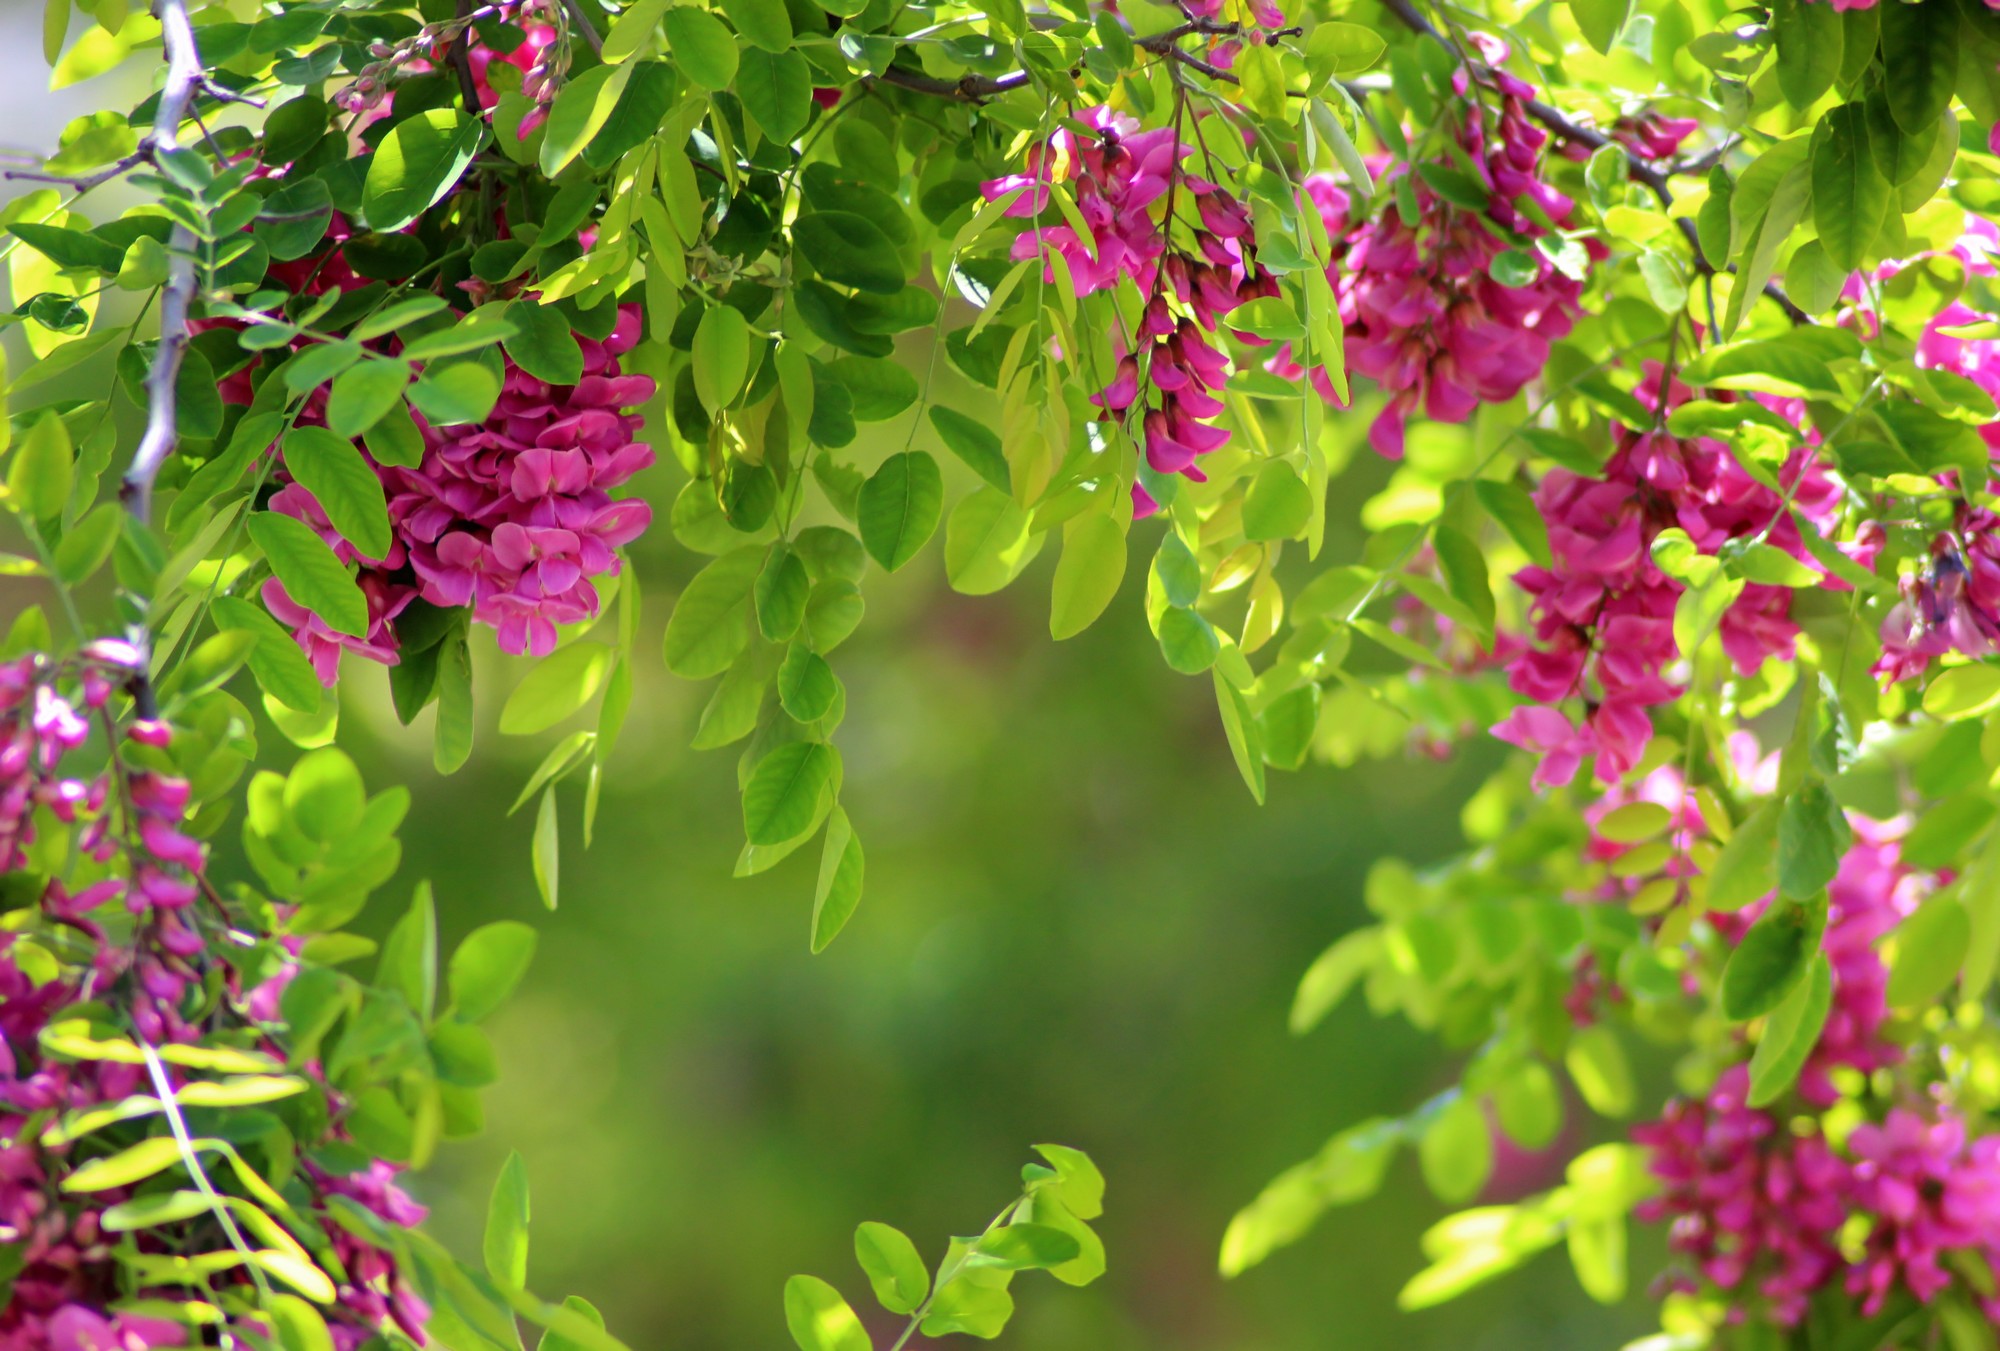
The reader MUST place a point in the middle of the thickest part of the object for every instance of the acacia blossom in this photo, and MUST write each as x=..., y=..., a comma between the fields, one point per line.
x=1425, y=315
x=130, y=828
x=1603, y=611
x=1176, y=375
x=1754, y=1208
x=512, y=516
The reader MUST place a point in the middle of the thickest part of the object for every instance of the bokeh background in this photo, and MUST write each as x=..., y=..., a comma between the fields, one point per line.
x=1077, y=927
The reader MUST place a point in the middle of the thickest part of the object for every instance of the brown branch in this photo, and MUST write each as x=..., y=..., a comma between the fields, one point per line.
x=1657, y=181
x=577, y=16
x=461, y=60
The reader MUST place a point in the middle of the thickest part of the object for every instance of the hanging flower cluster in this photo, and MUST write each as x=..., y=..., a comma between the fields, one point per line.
x=1458, y=306
x=1175, y=375
x=512, y=516
x=1603, y=611
x=1757, y=1202
x=149, y=965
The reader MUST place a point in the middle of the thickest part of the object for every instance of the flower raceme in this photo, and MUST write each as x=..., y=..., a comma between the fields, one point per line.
x=1603, y=611
x=1457, y=306
x=1174, y=377
x=148, y=971
x=512, y=516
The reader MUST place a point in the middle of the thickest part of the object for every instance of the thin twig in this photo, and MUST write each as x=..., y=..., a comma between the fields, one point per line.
x=461, y=59
x=1656, y=181
x=588, y=30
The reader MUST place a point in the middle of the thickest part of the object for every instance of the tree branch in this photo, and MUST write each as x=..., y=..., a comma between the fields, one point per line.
x=184, y=81
x=461, y=60
x=1657, y=181
x=578, y=17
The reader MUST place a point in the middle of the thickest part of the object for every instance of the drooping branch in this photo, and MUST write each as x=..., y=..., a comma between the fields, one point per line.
x=979, y=88
x=1654, y=179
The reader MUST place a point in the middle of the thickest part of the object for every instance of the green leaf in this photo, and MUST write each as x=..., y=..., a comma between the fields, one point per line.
x=1349, y=1168
x=895, y=1270
x=1332, y=974
x=487, y=966
x=1239, y=724
x=1087, y=575
x=1931, y=945
x=973, y=442
x=505, y=1246
x=1514, y=508
x=776, y=91
x=458, y=394
x=820, y=1320
x=880, y=389
x=562, y=683
x=721, y=357
x=1465, y=576
x=1919, y=62
x=417, y=163
x=701, y=45
x=38, y=482
x=543, y=344
x=1278, y=504
x=544, y=855
x=581, y=109
x=1770, y=961
x=899, y=507
x=763, y=23
x=312, y=576
x=841, y=866
x=1340, y=51
x=577, y=1320
x=711, y=621
x=1790, y=1035
x=134, y=1164
x=1601, y=20
x=1456, y=1151
x=1808, y=34
x=1026, y=1247
x=1187, y=641
x=394, y=440
x=1850, y=195
x=781, y=592
x=344, y=484
x=452, y=743
x=849, y=249
x=1598, y=1067
x=408, y=963
x=1528, y=1105
x=1746, y=869
x=88, y=544
x=785, y=790
x=806, y=684
x=632, y=31
x=298, y=1323
x=1812, y=835
x=363, y=395
x=1962, y=692
x=987, y=542
x=1765, y=234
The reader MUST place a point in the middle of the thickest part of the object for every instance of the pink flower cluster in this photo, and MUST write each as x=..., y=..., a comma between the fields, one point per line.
x=128, y=821
x=129, y=833
x=1603, y=612
x=512, y=516
x=1117, y=177
x=1425, y=316
x=1756, y=1207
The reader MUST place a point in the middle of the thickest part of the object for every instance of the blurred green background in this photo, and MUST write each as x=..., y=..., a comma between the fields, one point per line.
x=1077, y=927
